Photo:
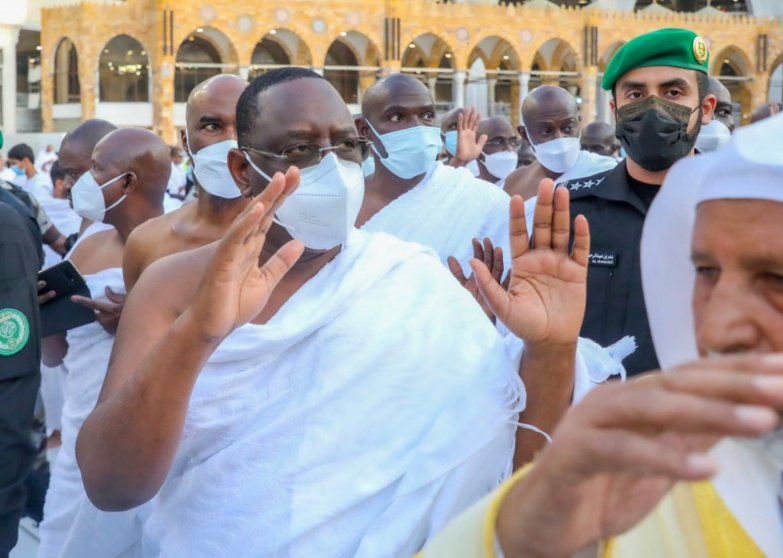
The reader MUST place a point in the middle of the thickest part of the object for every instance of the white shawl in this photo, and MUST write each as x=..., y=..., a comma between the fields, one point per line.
x=446, y=211
x=374, y=406
x=72, y=526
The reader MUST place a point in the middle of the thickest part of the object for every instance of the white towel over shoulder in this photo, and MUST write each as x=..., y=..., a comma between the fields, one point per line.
x=374, y=406
x=72, y=526
x=446, y=211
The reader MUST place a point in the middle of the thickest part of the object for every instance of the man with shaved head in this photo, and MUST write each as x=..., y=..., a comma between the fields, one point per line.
x=598, y=138
x=413, y=196
x=124, y=187
x=75, y=158
x=551, y=124
x=499, y=157
x=209, y=134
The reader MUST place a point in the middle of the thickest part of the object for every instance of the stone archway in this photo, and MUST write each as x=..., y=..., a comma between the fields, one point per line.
x=279, y=47
x=431, y=59
x=733, y=68
x=493, y=84
x=204, y=53
x=66, y=73
x=123, y=71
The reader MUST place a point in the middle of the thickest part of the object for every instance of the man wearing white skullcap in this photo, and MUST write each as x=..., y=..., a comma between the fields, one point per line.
x=710, y=244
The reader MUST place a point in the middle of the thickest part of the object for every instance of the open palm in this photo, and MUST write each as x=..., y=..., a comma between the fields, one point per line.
x=545, y=300
x=235, y=288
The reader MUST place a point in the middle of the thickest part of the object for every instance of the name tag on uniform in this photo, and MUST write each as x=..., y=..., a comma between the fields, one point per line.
x=603, y=259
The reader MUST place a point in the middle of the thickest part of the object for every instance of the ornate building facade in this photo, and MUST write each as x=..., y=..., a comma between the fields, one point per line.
x=135, y=62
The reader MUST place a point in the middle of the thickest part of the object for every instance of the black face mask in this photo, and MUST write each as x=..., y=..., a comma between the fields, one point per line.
x=654, y=132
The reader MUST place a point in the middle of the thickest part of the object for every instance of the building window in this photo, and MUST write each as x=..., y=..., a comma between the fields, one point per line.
x=124, y=71
x=197, y=60
x=346, y=81
x=66, y=73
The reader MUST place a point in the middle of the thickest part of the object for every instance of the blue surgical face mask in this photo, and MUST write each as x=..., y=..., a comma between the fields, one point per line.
x=411, y=152
x=450, y=141
x=18, y=171
x=368, y=166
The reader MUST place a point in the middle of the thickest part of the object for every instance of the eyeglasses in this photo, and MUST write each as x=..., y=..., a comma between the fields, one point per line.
x=512, y=143
x=305, y=155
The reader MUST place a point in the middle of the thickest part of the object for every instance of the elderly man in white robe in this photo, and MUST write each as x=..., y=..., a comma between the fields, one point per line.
x=307, y=389
x=710, y=245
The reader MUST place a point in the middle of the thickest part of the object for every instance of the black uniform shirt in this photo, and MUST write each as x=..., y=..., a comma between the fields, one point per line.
x=615, y=210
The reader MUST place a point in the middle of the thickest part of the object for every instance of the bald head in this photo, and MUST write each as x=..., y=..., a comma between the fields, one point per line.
x=495, y=126
x=214, y=88
x=77, y=147
x=724, y=110
x=137, y=152
x=393, y=89
x=88, y=134
x=210, y=112
x=450, y=120
x=548, y=113
x=770, y=109
x=598, y=137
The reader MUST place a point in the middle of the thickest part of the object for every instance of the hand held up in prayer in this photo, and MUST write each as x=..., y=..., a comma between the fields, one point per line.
x=545, y=300
x=235, y=287
x=492, y=257
x=107, y=314
x=618, y=452
x=468, y=148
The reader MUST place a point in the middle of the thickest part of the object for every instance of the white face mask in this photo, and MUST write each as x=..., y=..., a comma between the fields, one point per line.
x=87, y=197
x=557, y=155
x=473, y=168
x=411, y=152
x=500, y=164
x=713, y=136
x=323, y=209
x=210, y=167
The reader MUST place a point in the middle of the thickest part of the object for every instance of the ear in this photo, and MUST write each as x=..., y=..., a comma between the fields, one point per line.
x=708, y=108
x=130, y=183
x=363, y=128
x=183, y=142
x=523, y=134
x=240, y=171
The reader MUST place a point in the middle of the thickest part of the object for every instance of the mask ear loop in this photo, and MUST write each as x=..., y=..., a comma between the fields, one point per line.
x=115, y=204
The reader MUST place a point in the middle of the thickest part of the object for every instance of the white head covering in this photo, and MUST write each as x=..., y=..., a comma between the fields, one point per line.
x=750, y=166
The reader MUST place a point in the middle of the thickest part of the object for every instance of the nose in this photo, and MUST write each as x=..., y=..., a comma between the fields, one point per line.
x=726, y=319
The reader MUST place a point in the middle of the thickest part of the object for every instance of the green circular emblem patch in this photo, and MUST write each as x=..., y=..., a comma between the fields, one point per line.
x=14, y=331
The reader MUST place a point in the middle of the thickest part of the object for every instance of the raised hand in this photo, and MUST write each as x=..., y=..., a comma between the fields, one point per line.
x=468, y=148
x=618, y=452
x=235, y=286
x=107, y=314
x=546, y=296
x=492, y=258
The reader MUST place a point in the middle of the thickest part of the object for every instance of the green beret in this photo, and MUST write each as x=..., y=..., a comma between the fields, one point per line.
x=678, y=48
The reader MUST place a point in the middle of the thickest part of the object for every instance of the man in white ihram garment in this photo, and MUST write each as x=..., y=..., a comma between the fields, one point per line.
x=333, y=395
x=413, y=196
x=712, y=265
x=124, y=188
